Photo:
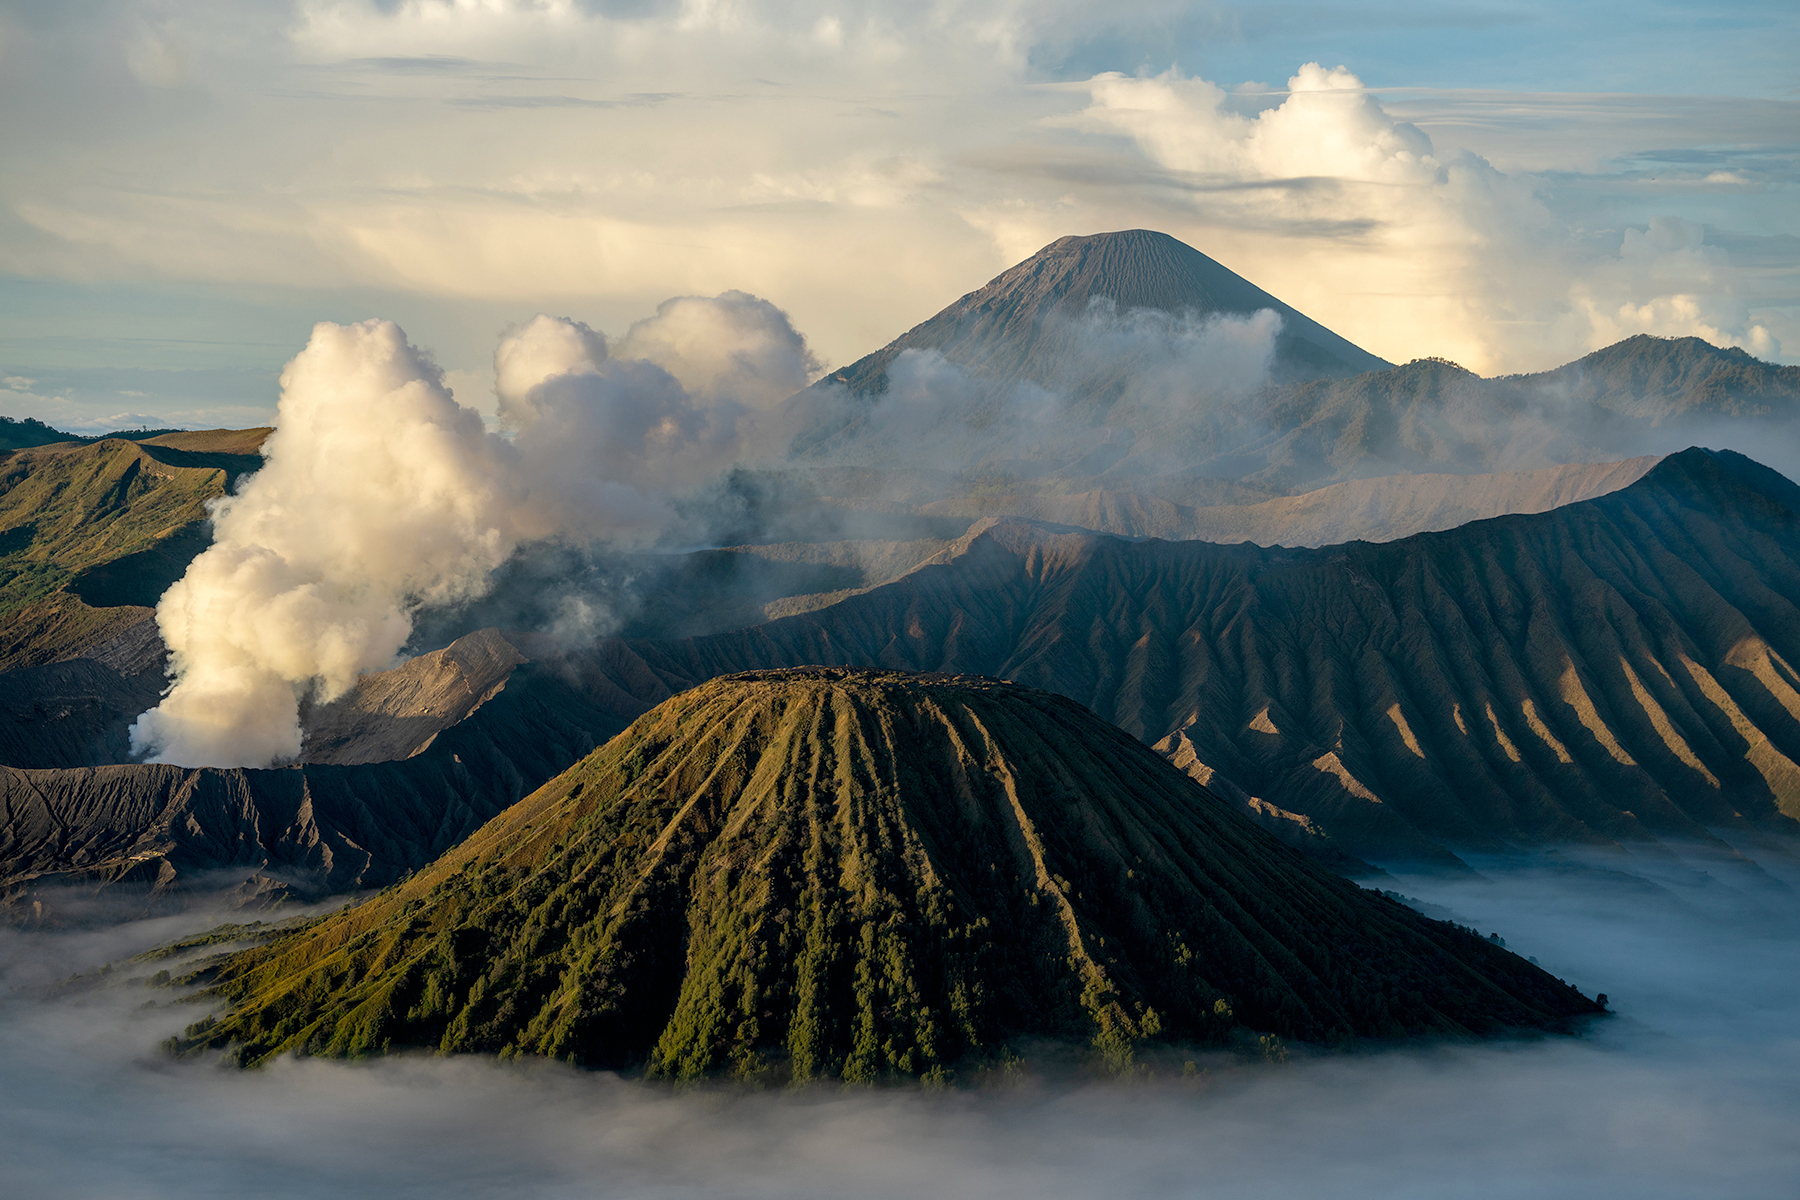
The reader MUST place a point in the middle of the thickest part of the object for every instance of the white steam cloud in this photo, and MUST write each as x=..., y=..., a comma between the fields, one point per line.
x=1107, y=376
x=378, y=490
x=381, y=494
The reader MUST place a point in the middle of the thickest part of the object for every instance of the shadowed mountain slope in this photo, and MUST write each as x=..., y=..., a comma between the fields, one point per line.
x=1617, y=669
x=862, y=875
x=1375, y=510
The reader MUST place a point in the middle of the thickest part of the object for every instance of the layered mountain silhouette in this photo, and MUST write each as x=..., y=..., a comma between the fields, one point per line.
x=864, y=875
x=1617, y=671
x=1038, y=410
x=1614, y=670
x=402, y=770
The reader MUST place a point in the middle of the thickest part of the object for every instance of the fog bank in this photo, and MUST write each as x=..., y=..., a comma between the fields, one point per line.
x=1693, y=1088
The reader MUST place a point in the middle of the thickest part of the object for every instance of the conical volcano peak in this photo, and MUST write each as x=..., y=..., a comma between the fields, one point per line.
x=1134, y=268
x=999, y=331
x=864, y=874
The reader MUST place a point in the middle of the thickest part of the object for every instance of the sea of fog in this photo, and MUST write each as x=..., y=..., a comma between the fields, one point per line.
x=1692, y=1089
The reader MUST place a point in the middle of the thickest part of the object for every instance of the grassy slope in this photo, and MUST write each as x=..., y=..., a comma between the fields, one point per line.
x=864, y=875
x=72, y=507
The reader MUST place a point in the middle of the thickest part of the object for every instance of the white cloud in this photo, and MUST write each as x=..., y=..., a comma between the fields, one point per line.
x=1357, y=218
x=1667, y=281
x=380, y=494
x=861, y=165
x=1688, y=1091
x=158, y=57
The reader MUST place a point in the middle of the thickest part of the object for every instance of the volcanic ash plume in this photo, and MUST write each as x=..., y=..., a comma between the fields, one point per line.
x=381, y=494
x=378, y=490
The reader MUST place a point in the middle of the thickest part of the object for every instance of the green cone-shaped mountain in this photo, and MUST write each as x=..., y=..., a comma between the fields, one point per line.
x=865, y=874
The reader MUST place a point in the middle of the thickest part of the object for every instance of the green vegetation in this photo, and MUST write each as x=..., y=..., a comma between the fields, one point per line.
x=73, y=508
x=863, y=876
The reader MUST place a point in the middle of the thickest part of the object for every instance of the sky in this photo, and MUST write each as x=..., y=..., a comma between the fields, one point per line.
x=186, y=189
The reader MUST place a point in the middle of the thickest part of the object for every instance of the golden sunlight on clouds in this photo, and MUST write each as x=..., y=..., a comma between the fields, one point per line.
x=860, y=166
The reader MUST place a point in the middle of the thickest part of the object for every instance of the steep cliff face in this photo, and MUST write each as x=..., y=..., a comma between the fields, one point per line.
x=847, y=874
x=1618, y=669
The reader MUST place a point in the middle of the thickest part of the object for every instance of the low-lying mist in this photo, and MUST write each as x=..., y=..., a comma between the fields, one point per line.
x=1692, y=1088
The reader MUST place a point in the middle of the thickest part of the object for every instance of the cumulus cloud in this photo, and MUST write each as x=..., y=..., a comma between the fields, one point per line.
x=381, y=495
x=378, y=490
x=20, y=397
x=605, y=436
x=1668, y=281
x=1413, y=246
x=733, y=348
x=859, y=164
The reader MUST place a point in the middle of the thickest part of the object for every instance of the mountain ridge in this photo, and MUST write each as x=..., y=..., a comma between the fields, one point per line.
x=851, y=874
x=1617, y=672
x=994, y=330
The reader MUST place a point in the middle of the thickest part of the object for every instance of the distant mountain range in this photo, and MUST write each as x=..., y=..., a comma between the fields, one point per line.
x=1588, y=650
x=1025, y=323
x=1327, y=412
x=1614, y=672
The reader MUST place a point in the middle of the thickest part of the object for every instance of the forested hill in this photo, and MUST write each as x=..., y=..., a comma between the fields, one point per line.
x=864, y=875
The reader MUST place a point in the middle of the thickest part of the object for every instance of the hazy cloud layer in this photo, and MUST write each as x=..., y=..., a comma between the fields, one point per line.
x=1688, y=1091
x=861, y=165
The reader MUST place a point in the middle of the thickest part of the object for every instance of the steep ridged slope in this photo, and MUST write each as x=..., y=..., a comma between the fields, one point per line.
x=1618, y=669
x=859, y=875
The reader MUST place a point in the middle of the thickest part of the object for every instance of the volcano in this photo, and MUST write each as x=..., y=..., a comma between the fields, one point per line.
x=1008, y=329
x=857, y=874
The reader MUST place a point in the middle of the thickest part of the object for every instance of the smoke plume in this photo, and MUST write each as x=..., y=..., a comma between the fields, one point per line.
x=1104, y=377
x=380, y=495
